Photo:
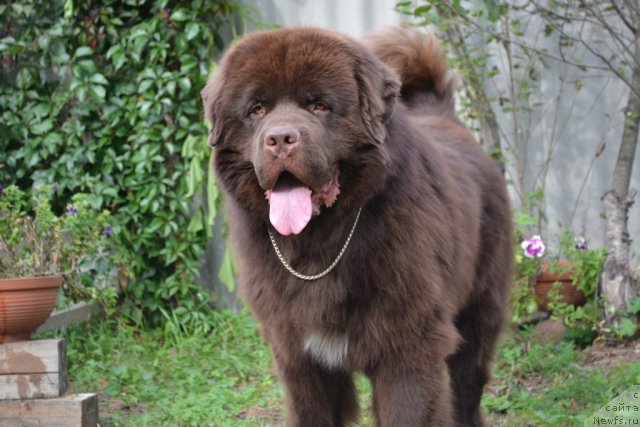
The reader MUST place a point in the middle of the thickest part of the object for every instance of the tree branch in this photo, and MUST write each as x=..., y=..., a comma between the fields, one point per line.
x=624, y=19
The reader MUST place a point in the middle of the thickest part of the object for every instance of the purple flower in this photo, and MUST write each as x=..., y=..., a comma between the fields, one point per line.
x=581, y=243
x=1, y=190
x=72, y=211
x=533, y=247
x=108, y=231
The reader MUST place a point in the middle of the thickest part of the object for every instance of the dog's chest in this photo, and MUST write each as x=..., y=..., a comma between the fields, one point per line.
x=328, y=349
x=325, y=313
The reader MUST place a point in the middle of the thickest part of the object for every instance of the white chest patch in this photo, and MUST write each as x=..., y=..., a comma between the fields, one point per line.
x=329, y=350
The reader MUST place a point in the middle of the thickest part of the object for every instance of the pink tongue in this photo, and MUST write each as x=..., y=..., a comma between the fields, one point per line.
x=290, y=206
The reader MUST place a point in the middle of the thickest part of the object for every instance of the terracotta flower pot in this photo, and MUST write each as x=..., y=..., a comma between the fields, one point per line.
x=569, y=293
x=25, y=304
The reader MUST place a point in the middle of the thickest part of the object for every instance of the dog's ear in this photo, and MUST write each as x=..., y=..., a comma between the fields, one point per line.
x=211, y=95
x=379, y=88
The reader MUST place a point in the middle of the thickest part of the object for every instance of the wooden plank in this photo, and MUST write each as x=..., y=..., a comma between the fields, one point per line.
x=74, y=314
x=32, y=386
x=33, y=357
x=33, y=369
x=75, y=410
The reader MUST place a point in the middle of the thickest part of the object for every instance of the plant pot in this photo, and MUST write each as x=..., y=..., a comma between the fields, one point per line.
x=25, y=304
x=569, y=293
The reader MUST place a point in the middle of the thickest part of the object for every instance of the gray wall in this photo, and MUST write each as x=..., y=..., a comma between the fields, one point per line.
x=353, y=17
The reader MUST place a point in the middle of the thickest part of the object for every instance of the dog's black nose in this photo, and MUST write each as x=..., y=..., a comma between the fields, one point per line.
x=281, y=140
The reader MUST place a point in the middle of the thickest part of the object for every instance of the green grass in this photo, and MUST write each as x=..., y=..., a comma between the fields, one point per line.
x=547, y=385
x=156, y=378
x=160, y=377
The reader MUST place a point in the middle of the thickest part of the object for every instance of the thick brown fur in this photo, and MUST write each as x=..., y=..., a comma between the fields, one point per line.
x=422, y=287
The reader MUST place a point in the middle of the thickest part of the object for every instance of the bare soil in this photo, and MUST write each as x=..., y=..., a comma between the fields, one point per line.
x=600, y=355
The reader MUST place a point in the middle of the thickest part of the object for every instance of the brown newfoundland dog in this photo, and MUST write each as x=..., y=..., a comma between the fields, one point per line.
x=372, y=233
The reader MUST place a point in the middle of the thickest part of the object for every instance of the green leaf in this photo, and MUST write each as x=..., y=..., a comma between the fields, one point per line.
x=192, y=30
x=117, y=55
x=188, y=62
x=185, y=84
x=523, y=219
x=99, y=79
x=42, y=127
x=180, y=15
x=195, y=177
x=227, y=270
x=33, y=159
x=44, y=41
x=196, y=224
x=68, y=10
x=155, y=225
x=145, y=106
x=144, y=86
x=212, y=198
x=98, y=92
x=626, y=328
x=171, y=88
x=51, y=141
x=422, y=10
x=41, y=109
x=189, y=146
x=83, y=51
x=110, y=191
x=634, y=306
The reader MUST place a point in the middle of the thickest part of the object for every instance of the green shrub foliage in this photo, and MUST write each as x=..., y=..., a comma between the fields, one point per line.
x=103, y=97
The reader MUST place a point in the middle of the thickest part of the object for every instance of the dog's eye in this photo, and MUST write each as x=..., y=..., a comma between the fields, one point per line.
x=257, y=110
x=319, y=107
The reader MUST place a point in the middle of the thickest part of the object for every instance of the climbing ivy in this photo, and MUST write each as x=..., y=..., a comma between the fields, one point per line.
x=103, y=97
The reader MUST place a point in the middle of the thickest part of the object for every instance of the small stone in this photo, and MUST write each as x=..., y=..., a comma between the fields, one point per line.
x=549, y=331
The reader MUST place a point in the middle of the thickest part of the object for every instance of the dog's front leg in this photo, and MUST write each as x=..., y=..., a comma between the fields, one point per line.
x=317, y=397
x=410, y=396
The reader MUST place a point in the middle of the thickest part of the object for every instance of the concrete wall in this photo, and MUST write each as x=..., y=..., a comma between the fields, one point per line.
x=353, y=17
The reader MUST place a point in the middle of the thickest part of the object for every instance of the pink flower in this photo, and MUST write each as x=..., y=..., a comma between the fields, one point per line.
x=533, y=247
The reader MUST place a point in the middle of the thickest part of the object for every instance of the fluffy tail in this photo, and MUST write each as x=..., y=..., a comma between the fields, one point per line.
x=420, y=61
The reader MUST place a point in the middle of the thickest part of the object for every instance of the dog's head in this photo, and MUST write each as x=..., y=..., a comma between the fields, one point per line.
x=299, y=121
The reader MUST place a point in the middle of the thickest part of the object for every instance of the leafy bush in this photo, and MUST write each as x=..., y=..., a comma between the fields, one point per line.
x=103, y=97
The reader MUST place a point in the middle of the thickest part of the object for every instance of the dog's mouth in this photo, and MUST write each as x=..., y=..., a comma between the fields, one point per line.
x=292, y=203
